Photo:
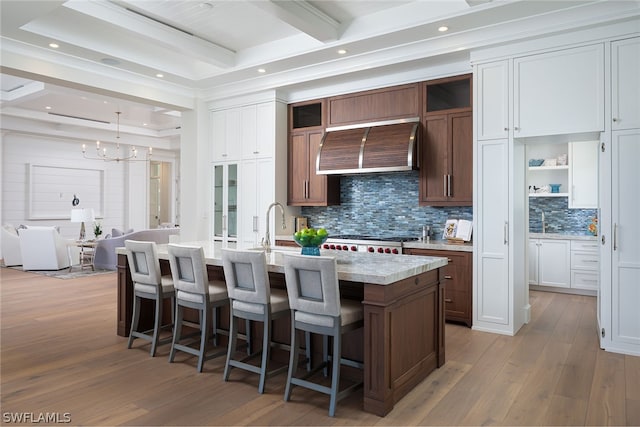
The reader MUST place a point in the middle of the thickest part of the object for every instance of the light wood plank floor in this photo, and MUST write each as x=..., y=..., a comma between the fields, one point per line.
x=60, y=354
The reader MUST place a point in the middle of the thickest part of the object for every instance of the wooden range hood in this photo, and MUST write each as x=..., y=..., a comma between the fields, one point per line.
x=389, y=146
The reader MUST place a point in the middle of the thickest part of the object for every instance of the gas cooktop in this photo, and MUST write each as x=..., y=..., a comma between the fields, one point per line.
x=374, y=238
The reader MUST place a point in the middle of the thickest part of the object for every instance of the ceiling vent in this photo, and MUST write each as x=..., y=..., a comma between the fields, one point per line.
x=389, y=146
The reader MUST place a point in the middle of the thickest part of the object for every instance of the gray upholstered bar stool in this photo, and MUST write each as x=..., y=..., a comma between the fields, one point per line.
x=251, y=298
x=194, y=290
x=316, y=307
x=148, y=283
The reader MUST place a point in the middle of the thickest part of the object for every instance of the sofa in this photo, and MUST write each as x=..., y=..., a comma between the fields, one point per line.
x=10, y=246
x=43, y=248
x=105, y=252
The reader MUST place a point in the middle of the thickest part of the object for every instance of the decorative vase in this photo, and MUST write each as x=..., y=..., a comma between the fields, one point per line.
x=311, y=250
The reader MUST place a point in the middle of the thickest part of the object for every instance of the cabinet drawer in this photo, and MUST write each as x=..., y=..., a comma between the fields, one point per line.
x=584, y=261
x=585, y=280
x=584, y=246
x=456, y=303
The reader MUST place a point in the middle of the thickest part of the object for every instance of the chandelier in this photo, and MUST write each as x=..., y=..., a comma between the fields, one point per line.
x=101, y=153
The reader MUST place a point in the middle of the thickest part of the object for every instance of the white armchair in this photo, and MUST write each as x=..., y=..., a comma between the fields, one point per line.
x=10, y=246
x=43, y=248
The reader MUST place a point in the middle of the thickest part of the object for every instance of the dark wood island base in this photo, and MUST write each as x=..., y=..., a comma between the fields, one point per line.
x=403, y=330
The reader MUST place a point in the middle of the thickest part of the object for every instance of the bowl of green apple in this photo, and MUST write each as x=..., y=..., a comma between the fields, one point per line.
x=310, y=240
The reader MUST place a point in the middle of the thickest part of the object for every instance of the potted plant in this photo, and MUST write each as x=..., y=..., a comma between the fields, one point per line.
x=97, y=229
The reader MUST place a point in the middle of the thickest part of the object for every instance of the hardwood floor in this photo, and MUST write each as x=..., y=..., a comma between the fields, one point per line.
x=60, y=355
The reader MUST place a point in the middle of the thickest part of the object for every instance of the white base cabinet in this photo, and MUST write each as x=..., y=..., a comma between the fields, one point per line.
x=585, y=265
x=552, y=267
x=569, y=264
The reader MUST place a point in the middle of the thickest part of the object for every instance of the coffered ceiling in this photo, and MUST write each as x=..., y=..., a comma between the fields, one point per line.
x=215, y=47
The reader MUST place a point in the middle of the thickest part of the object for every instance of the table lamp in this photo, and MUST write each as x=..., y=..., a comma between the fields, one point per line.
x=82, y=216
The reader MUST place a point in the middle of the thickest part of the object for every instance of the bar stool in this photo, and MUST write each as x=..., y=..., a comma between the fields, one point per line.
x=252, y=299
x=194, y=290
x=316, y=307
x=148, y=283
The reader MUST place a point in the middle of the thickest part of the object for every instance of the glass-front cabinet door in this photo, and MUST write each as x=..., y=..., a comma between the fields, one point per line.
x=225, y=202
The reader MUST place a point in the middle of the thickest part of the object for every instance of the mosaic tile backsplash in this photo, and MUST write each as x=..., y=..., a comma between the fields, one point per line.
x=387, y=205
x=382, y=205
x=558, y=217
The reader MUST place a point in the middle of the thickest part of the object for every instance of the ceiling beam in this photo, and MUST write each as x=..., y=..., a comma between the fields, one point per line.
x=155, y=31
x=303, y=16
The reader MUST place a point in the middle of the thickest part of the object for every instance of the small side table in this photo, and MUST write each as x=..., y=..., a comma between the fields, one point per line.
x=87, y=251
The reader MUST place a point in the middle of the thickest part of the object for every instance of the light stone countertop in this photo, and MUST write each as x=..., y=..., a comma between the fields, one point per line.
x=441, y=245
x=379, y=269
x=560, y=236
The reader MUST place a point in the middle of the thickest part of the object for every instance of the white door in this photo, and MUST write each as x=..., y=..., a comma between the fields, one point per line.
x=492, y=81
x=256, y=193
x=583, y=174
x=559, y=92
x=554, y=263
x=625, y=81
x=625, y=260
x=491, y=278
x=533, y=261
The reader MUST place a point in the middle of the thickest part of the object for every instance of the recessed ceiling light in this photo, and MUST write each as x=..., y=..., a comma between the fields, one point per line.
x=159, y=75
x=342, y=51
x=144, y=124
x=262, y=70
x=47, y=108
x=443, y=28
x=54, y=45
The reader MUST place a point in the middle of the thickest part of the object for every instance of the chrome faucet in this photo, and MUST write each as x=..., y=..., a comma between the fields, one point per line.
x=544, y=226
x=266, y=240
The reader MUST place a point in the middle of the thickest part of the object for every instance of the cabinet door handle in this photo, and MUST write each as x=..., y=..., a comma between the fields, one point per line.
x=448, y=185
x=224, y=223
x=615, y=119
x=506, y=232
x=448, y=277
x=615, y=236
x=506, y=129
x=255, y=224
x=448, y=300
x=516, y=128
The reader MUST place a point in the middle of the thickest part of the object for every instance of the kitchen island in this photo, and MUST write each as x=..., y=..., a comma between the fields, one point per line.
x=402, y=341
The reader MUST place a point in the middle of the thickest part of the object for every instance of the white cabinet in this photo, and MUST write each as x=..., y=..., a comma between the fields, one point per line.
x=584, y=265
x=225, y=135
x=559, y=92
x=225, y=202
x=583, y=174
x=553, y=262
x=256, y=195
x=258, y=130
x=625, y=84
x=492, y=82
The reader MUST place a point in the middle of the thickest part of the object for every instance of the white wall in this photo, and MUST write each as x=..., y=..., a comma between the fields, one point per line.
x=125, y=185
